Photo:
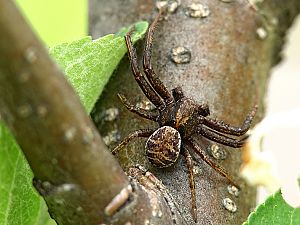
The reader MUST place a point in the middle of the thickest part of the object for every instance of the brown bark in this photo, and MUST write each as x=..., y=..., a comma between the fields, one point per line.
x=73, y=170
x=233, y=50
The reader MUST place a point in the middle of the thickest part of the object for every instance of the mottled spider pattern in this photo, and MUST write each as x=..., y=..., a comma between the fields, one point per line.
x=180, y=119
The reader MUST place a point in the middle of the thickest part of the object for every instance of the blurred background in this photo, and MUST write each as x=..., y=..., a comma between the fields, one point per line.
x=57, y=21
x=284, y=95
x=61, y=21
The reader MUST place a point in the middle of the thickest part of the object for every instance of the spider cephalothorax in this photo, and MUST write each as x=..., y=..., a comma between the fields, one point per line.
x=179, y=119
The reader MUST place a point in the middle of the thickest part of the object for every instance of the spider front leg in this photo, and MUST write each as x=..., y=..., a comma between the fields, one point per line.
x=156, y=83
x=140, y=79
x=148, y=114
x=130, y=137
x=219, y=138
x=215, y=166
x=190, y=166
x=220, y=126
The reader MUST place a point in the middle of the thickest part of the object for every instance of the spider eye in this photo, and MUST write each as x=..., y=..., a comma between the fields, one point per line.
x=204, y=110
x=177, y=93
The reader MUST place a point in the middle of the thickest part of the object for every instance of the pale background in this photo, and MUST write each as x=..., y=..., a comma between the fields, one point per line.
x=284, y=94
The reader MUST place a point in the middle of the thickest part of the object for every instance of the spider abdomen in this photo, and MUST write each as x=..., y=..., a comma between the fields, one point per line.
x=163, y=146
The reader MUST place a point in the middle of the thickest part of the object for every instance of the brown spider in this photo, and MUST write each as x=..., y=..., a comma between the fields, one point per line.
x=179, y=118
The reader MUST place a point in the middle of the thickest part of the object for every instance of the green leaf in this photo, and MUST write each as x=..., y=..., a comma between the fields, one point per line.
x=274, y=211
x=89, y=64
x=19, y=202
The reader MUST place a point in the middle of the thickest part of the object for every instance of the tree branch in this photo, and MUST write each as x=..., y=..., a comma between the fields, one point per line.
x=232, y=53
x=80, y=180
x=278, y=18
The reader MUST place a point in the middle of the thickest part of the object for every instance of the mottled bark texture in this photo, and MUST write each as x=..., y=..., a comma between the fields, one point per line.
x=73, y=170
x=232, y=52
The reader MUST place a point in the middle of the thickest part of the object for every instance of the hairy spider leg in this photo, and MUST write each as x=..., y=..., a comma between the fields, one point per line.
x=147, y=114
x=156, y=83
x=221, y=126
x=131, y=136
x=219, y=138
x=206, y=159
x=190, y=166
x=140, y=79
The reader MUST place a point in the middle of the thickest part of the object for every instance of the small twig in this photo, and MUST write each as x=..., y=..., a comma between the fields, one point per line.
x=73, y=170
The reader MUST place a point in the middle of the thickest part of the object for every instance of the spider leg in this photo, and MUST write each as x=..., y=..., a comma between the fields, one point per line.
x=190, y=166
x=219, y=138
x=220, y=126
x=148, y=114
x=156, y=83
x=206, y=159
x=140, y=79
x=130, y=137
